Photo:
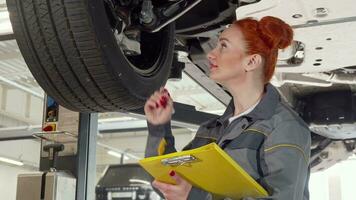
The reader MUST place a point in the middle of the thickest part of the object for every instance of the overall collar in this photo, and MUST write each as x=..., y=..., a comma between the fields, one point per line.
x=265, y=109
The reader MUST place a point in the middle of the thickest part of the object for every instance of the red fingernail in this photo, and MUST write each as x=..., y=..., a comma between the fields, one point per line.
x=163, y=102
x=151, y=107
x=164, y=98
x=157, y=105
x=172, y=173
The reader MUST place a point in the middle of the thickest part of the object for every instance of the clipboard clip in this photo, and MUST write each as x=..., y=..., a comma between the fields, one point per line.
x=179, y=160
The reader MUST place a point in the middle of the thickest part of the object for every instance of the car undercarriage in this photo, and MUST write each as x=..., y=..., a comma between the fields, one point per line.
x=110, y=55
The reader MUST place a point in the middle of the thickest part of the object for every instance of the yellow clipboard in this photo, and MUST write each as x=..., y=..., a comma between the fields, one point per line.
x=209, y=168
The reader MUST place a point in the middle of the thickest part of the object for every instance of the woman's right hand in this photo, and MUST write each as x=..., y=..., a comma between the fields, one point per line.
x=159, y=107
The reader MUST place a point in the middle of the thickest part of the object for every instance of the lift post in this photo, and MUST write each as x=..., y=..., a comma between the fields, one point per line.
x=72, y=170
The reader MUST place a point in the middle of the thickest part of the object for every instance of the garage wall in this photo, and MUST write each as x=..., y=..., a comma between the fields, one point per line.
x=27, y=151
x=8, y=181
x=21, y=106
x=335, y=183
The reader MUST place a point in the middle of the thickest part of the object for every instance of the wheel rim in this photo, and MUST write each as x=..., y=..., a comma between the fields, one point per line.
x=151, y=44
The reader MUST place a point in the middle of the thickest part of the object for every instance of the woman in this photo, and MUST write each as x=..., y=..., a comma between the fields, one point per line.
x=258, y=130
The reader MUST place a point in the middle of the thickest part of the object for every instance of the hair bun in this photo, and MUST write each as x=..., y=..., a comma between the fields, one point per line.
x=275, y=32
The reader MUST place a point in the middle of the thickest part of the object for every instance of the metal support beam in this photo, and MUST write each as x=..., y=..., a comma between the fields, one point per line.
x=205, y=82
x=7, y=37
x=18, y=118
x=3, y=97
x=3, y=7
x=21, y=87
x=185, y=116
x=17, y=138
x=86, y=162
x=10, y=56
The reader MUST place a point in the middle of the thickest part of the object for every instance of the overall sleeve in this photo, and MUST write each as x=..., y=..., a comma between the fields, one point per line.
x=160, y=140
x=285, y=161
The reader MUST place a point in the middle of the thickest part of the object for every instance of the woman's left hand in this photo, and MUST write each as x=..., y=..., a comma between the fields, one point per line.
x=180, y=191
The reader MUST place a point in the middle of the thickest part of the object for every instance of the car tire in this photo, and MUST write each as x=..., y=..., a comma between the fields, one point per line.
x=70, y=49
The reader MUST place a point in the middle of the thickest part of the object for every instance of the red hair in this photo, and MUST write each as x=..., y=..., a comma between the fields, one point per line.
x=265, y=37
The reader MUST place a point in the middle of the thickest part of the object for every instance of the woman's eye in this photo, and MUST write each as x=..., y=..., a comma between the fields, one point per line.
x=223, y=45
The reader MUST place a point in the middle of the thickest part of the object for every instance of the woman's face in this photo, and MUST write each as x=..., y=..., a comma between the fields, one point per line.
x=227, y=58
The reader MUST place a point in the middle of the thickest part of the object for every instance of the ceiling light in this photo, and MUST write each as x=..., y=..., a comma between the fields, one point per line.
x=139, y=181
x=10, y=161
x=116, y=119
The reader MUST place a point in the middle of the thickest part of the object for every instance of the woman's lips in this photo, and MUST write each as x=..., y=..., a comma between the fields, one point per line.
x=212, y=66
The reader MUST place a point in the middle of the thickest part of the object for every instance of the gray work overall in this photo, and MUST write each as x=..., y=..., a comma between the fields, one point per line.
x=272, y=143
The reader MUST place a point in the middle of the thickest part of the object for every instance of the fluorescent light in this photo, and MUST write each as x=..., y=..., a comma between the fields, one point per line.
x=116, y=119
x=10, y=161
x=139, y=181
x=118, y=155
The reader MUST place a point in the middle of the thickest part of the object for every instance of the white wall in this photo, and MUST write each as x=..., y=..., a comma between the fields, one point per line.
x=335, y=183
x=27, y=151
x=20, y=105
x=8, y=181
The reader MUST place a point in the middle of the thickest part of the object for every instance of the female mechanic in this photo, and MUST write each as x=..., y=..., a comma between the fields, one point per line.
x=258, y=129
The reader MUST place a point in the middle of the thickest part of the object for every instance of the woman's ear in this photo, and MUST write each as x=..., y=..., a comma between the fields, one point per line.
x=252, y=62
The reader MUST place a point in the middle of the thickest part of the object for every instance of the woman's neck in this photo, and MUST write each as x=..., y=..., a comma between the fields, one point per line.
x=245, y=96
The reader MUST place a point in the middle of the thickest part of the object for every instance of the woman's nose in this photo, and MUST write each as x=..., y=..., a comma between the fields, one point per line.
x=210, y=56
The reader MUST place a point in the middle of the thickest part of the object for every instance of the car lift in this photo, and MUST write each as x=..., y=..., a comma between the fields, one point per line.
x=76, y=132
x=69, y=170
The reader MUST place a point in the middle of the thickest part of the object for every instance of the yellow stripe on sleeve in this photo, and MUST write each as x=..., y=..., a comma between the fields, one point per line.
x=162, y=147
